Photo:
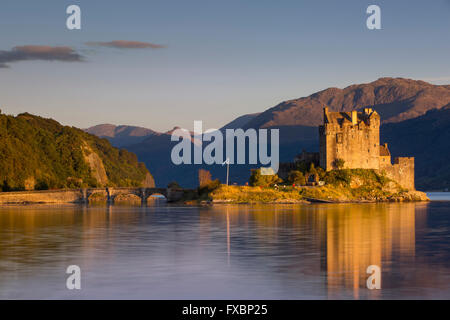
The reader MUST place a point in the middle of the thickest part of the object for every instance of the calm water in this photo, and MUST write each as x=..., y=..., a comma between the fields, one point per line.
x=226, y=252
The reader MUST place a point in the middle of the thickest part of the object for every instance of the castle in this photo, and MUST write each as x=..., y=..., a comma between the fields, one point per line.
x=351, y=140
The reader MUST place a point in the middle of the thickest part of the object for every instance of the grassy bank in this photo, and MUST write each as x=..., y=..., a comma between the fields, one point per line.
x=246, y=194
x=356, y=185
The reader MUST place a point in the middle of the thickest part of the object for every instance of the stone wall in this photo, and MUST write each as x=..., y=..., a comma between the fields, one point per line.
x=50, y=196
x=402, y=171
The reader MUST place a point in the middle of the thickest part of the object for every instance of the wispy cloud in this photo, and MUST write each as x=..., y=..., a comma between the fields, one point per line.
x=124, y=44
x=437, y=79
x=38, y=52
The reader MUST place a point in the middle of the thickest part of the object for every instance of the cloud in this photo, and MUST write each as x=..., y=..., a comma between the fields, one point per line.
x=124, y=44
x=33, y=52
x=437, y=79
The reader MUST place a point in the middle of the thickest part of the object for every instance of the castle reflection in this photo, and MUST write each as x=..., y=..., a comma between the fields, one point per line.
x=347, y=238
x=359, y=238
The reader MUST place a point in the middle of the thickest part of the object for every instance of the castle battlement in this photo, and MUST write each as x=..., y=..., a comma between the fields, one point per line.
x=403, y=160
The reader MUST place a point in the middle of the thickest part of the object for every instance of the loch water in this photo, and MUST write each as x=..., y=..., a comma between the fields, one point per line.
x=317, y=251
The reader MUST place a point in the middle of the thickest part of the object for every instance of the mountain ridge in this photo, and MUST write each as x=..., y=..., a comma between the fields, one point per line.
x=121, y=135
x=395, y=99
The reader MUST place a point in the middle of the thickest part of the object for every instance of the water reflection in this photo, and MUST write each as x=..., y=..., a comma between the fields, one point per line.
x=282, y=251
x=357, y=239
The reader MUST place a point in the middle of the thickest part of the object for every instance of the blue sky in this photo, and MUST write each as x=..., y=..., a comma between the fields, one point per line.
x=221, y=59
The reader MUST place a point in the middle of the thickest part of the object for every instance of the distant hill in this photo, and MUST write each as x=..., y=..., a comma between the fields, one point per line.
x=395, y=99
x=121, y=136
x=38, y=153
x=427, y=138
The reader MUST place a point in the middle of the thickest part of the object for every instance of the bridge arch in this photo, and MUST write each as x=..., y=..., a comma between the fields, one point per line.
x=109, y=194
x=126, y=198
x=96, y=195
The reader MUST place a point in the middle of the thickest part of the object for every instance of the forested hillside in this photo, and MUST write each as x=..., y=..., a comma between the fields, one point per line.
x=38, y=153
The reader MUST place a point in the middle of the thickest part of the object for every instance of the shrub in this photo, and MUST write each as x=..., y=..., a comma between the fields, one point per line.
x=338, y=177
x=209, y=187
x=338, y=163
x=259, y=180
x=41, y=185
x=321, y=173
x=302, y=166
x=382, y=179
x=297, y=177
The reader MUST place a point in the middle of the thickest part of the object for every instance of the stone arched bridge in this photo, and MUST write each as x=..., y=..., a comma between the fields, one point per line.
x=84, y=195
x=143, y=193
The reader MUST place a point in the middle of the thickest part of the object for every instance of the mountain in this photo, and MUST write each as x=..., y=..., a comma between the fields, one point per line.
x=240, y=122
x=395, y=99
x=409, y=109
x=39, y=153
x=121, y=136
x=427, y=138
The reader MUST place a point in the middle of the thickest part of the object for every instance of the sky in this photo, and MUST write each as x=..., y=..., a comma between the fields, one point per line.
x=160, y=64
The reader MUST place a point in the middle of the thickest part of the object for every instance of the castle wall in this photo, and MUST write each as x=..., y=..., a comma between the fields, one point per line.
x=357, y=145
x=308, y=157
x=402, y=171
x=385, y=161
x=323, y=147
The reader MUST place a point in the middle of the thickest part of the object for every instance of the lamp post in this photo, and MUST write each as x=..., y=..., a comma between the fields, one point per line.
x=227, y=162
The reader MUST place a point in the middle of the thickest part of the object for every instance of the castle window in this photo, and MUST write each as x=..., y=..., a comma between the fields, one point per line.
x=339, y=138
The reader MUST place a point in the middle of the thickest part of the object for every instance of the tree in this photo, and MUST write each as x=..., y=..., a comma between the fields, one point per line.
x=173, y=185
x=209, y=187
x=312, y=168
x=297, y=177
x=204, y=177
x=301, y=166
x=320, y=172
x=257, y=179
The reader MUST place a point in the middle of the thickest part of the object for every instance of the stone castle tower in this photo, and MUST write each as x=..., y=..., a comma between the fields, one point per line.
x=354, y=139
